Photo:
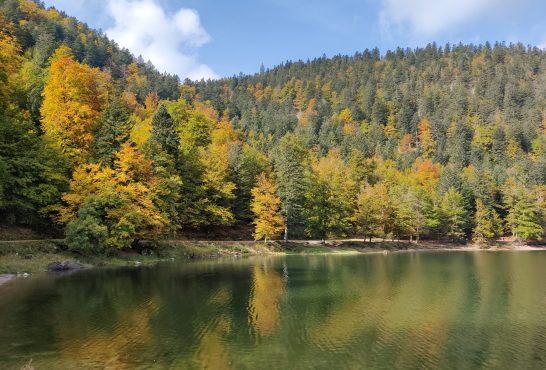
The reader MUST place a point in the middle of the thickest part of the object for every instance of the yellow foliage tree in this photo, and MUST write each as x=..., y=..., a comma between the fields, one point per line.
x=217, y=188
x=10, y=62
x=265, y=206
x=425, y=138
x=310, y=112
x=111, y=207
x=73, y=97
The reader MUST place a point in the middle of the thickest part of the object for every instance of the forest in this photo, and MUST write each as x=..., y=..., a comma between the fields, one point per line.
x=441, y=142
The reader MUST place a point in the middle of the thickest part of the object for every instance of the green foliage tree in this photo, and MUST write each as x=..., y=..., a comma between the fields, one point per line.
x=113, y=130
x=487, y=223
x=329, y=197
x=164, y=132
x=409, y=219
x=454, y=215
x=525, y=218
x=289, y=162
x=32, y=173
x=247, y=164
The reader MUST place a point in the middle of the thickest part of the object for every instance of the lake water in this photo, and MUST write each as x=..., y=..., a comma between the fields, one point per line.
x=426, y=310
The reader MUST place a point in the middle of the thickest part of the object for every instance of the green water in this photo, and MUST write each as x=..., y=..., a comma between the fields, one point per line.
x=449, y=310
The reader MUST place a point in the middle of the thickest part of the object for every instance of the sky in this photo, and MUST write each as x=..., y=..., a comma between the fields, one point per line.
x=220, y=38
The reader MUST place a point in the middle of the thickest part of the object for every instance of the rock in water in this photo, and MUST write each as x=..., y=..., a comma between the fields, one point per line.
x=73, y=265
x=55, y=266
x=64, y=266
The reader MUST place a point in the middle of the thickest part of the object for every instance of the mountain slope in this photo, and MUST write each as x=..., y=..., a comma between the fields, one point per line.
x=440, y=143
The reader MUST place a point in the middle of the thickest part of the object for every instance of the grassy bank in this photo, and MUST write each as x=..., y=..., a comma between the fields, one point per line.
x=34, y=256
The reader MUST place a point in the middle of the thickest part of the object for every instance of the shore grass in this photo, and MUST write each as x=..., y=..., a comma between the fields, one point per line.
x=17, y=257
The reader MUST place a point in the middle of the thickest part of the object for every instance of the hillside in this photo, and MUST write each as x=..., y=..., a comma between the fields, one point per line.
x=438, y=142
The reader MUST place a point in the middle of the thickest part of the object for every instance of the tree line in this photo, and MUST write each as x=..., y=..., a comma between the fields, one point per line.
x=432, y=143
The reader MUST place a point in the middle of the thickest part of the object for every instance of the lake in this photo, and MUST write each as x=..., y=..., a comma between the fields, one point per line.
x=414, y=310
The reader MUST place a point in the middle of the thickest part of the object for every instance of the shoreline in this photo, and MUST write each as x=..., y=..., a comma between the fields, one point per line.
x=23, y=258
x=4, y=278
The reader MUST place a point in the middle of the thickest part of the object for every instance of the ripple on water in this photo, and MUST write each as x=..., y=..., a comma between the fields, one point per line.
x=400, y=311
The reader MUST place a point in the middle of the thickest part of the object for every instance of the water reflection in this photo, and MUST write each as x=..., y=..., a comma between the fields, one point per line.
x=410, y=310
x=267, y=289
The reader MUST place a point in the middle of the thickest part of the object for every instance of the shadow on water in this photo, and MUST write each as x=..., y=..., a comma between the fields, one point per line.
x=449, y=310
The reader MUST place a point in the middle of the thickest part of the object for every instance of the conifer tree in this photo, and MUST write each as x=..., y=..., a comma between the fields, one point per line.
x=113, y=131
x=164, y=132
x=289, y=159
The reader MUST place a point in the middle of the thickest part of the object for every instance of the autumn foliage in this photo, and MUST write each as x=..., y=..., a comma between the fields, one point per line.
x=73, y=96
x=265, y=206
x=428, y=143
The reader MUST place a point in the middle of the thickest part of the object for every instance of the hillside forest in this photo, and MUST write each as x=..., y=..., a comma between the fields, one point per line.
x=441, y=142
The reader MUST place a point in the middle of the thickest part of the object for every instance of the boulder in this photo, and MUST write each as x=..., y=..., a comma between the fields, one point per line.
x=55, y=266
x=64, y=266
x=73, y=265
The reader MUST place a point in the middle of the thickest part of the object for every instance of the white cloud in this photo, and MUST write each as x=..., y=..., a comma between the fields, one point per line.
x=169, y=41
x=430, y=17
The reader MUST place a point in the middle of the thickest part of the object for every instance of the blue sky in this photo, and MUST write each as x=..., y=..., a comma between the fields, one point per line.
x=212, y=38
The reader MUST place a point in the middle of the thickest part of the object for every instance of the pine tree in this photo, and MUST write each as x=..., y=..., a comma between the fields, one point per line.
x=289, y=159
x=265, y=206
x=164, y=132
x=248, y=163
x=113, y=131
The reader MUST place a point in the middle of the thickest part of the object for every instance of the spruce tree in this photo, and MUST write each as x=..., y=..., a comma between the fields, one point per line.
x=164, y=131
x=289, y=160
x=113, y=131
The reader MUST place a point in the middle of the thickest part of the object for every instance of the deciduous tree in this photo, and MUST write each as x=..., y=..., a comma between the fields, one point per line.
x=265, y=206
x=73, y=97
